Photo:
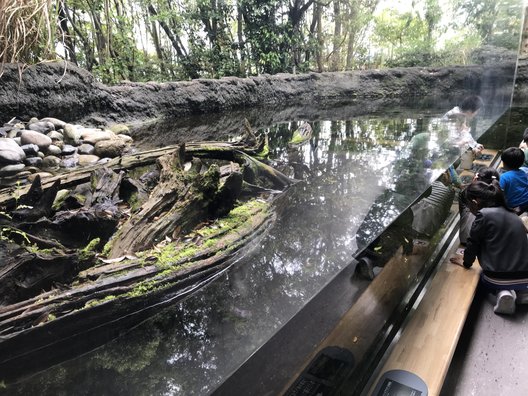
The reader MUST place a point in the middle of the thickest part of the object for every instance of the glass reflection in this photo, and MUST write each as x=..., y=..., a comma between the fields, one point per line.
x=349, y=168
x=359, y=173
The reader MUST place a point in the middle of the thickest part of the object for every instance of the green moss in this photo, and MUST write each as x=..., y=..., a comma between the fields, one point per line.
x=94, y=303
x=89, y=249
x=133, y=201
x=170, y=254
x=297, y=138
x=106, y=248
x=143, y=288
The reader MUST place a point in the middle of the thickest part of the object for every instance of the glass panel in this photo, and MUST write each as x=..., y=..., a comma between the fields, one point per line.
x=361, y=170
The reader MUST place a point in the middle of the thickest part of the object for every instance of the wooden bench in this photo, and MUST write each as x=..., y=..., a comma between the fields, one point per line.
x=428, y=339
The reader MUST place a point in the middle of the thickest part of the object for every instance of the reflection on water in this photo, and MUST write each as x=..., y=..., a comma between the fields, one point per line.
x=349, y=168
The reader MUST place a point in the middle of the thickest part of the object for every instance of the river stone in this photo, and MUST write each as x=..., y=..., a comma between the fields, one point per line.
x=32, y=137
x=125, y=138
x=41, y=154
x=33, y=161
x=42, y=175
x=72, y=134
x=54, y=135
x=41, y=126
x=86, y=148
x=120, y=129
x=68, y=149
x=54, y=150
x=3, y=133
x=50, y=162
x=13, y=133
x=30, y=149
x=10, y=170
x=103, y=161
x=70, y=162
x=86, y=159
x=110, y=148
x=32, y=120
x=17, y=140
x=93, y=136
x=10, y=152
x=58, y=124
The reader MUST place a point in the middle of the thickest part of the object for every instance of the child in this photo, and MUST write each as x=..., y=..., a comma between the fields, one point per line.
x=514, y=182
x=462, y=114
x=486, y=175
x=498, y=239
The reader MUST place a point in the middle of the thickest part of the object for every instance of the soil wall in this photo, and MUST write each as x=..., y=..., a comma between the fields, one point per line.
x=72, y=94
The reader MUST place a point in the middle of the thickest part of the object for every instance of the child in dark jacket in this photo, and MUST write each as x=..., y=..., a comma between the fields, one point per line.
x=498, y=239
x=486, y=175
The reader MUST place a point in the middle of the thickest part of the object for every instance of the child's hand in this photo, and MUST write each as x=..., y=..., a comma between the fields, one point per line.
x=457, y=260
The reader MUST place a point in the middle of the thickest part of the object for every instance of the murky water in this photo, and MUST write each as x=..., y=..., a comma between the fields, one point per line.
x=347, y=167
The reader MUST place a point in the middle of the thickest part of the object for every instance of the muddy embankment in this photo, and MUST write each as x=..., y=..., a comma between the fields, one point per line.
x=189, y=108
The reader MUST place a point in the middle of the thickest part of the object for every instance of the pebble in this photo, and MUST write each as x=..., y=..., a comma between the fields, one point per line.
x=50, y=143
x=10, y=151
x=33, y=137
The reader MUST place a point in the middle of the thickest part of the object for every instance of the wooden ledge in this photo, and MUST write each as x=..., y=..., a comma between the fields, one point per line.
x=429, y=337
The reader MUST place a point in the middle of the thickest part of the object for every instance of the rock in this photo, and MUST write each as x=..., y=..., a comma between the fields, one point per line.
x=10, y=152
x=72, y=134
x=13, y=133
x=105, y=160
x=110, y=148
x=50, y=162
x=33, y=161
x=41, y=154
x=70, y=162
x=32, y=169
x=88, y=159
x=54, y=150
x=120, y=129
x=125, y=138
x=86, y=148
x=32, y=120
x=42, y=175
x=18, y=141
x=32, y=137
x=10, y=170
x=58, y=124
x=30, y=149
x=93, y=136
x=41, y=126
x=54, y=135
x=68, y=149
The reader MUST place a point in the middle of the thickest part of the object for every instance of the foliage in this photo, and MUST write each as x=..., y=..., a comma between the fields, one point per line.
x=26, y=30
x=162, y=40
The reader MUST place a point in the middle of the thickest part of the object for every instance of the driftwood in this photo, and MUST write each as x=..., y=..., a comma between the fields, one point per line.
x=116, y=243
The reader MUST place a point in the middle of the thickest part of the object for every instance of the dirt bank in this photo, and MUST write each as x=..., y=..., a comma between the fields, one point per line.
x=73, y=94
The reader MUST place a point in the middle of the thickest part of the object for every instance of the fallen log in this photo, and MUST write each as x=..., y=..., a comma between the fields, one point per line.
x=169, y=230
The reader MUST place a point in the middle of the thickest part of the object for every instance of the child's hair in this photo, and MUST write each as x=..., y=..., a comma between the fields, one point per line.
x=525, y=136
x=513, y=157
x=487, y=175
x=471, y=103
x=489, y=194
